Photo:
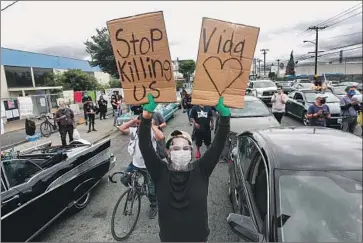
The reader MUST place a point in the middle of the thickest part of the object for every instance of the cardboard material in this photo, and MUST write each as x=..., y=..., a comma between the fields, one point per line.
x=225, y=57
x=141, y=50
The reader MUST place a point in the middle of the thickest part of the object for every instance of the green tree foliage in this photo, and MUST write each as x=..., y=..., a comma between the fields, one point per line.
x=115, y=83
x=76, y=80
x=187, y=68
x=290, y=67
x=101, y=52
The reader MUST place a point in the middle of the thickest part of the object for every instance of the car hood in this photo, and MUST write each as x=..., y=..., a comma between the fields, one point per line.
x=266, y=89
x=239, y=125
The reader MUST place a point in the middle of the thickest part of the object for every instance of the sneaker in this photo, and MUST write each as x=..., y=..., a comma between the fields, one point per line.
x=88, y=131
x=94, y=130
x=197, y=155
x=152, y=212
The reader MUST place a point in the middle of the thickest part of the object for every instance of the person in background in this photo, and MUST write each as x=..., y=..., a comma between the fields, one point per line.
x=202, y=119
x=159, y=121
x=318, y=112
x=118, y=111
x=187, y=105
x=64, y=116
x=181, y=183
x=102, y=104
x=114, y=107
x=278, y=101
x=349, y=107
x=91, y=110
x=132, y=128
x=86, y=100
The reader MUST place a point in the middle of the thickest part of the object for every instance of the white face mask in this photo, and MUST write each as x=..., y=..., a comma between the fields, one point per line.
x=180, y=159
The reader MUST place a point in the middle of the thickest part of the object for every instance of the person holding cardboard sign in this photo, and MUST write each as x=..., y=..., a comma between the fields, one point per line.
x=182, y=184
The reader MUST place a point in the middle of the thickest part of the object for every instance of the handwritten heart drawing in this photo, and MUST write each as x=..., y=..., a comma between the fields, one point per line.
x=221, y=86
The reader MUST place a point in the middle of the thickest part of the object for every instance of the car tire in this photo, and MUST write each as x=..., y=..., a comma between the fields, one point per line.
x=81, y=203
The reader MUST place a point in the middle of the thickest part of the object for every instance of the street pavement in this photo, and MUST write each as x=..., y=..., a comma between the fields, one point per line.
x=93, y=223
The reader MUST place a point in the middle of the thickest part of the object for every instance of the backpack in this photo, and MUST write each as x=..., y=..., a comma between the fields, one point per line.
x=29, y=127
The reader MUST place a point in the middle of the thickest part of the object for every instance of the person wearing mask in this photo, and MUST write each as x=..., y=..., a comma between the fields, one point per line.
x=64, y=116
x=102, y=104
x=187, y=105
x=86, y=100
x=132, y=128
x=318, y=112
x=349, y=107
x=160, y=123
x=181, y=183
x=202, y=119
x=91, y=110
x=278, y=101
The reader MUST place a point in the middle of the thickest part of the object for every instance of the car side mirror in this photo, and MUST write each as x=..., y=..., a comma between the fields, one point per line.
x=244, y=227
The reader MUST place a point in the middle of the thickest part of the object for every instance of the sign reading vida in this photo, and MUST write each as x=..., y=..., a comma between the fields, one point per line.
x=141, y=50
x=224, y=61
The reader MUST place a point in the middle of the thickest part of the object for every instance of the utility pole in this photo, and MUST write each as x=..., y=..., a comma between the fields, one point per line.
x=278, y=67
x=255, y=68
x=316, y=28
x=259, y=67
x=264, y=52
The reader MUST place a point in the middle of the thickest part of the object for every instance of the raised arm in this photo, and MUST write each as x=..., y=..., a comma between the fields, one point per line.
x=211, y=157
x=152, y=161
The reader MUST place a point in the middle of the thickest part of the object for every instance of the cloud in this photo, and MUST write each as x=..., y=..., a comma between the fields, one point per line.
x=72, y=51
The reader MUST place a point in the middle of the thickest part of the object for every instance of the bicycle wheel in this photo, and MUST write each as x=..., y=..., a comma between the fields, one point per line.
x=45, y=129
x=131, y=198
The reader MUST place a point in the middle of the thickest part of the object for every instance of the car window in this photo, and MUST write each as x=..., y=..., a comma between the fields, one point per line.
x=330, y=97
x=298, y=96
x=291, y=95
x=254, y=108
x=19, y=171
x=264, y=84
x=246, y=149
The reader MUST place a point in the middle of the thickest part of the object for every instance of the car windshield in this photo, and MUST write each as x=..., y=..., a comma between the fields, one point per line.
x=305, y=81
x=254, y=108
x=319, y=207
x=284, y=84
x=305, y=85
x=340, y=90
x=263, y=84
x=330, y=97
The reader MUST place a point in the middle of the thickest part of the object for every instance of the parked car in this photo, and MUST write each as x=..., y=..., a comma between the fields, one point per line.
x=339, y=91
x=349, y=83
x=166, y=110
x=254, y=115
x=285, y=86
x=297, y=184
x=298, y=103
x=263, y=89
x=359, y=87
x=298, y=86
x=42, y=183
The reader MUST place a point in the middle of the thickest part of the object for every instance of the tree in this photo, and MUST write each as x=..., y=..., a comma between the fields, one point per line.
x=115, y=83
x=187, y=68
x=101, y=52
x=290, y=67
x=76, y=80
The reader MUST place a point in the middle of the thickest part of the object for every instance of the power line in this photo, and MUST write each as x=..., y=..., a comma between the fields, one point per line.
x=11, y=4
x=345, y=19
x=333, y=37
x=345, y=12
x=326, y=54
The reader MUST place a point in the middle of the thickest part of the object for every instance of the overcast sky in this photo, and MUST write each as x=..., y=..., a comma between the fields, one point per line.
x=61, y=27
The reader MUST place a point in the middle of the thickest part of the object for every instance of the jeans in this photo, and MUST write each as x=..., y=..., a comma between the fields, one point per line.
x=149, y=182
x=117, y=114
x=188, y=113
x=349, y=124
x=91, y=122
x=278, y=116
x=63, y=130
x=86, y=117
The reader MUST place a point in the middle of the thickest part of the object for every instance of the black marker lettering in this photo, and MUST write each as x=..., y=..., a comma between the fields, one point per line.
x=230, y=42
x=136, y=69
x=153, y=38
x=133, y=41
x=122, y=72
x=167, y=68
x=124, y=41
x=143, y=67
x=154, y=89
x=144, y=39
x=149, y=67
x=206, y=43
x=153, y=64
x=240, y=44
x=131, y=71
x=142, y=96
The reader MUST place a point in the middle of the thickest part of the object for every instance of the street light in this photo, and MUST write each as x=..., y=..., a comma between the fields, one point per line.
x=312, y=42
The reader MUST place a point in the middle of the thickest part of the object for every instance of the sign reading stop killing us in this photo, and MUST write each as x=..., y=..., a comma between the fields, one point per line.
x=224, y=62
x=141, y=50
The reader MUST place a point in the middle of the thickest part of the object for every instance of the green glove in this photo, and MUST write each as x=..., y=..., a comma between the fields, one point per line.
x=150, y=107
x=223, y=111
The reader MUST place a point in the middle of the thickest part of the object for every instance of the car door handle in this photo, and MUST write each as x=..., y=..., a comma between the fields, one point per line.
x=10, y=199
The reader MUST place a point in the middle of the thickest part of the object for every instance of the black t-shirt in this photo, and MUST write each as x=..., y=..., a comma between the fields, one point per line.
x=114, y=101
x=202, y=116
x=84, y=99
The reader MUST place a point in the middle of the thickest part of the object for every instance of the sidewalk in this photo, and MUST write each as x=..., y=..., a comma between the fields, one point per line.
x=103, y=127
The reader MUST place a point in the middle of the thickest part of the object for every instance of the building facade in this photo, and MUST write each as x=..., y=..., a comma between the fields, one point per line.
x=23, y=73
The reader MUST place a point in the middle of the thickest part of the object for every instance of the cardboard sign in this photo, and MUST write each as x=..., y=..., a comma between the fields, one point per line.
x=141, y=50
x=225, y=57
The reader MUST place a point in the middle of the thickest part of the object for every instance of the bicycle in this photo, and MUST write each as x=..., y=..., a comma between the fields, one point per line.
x=133, y=194
x=46, y=127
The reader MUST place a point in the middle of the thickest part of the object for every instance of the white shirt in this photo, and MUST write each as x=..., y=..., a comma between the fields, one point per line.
x=134, y=150
x=277, y=105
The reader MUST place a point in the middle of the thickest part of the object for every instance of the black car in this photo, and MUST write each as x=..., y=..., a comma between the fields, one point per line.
x=39, y=185
x=297, y=184
x=298, y=103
